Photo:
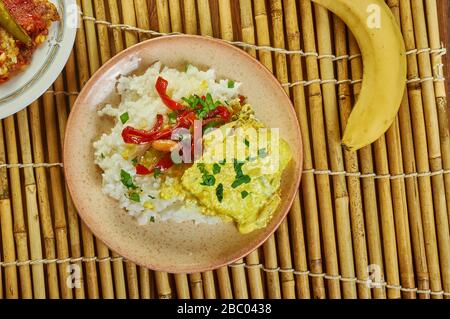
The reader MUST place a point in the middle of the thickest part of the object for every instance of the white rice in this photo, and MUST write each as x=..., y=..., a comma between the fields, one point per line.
x=142, y=102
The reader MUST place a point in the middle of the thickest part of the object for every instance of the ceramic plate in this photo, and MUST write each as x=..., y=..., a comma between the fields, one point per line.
x=47, y=62
x=169, y=246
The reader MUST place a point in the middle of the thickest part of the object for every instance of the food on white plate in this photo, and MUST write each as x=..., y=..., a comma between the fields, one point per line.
x=25, y=26
x=186, y=146
x=384, y=57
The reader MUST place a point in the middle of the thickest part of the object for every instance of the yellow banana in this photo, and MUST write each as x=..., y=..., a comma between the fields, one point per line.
x=384, y=75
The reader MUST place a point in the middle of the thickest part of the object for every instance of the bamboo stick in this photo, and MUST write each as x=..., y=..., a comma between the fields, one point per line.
x=72, y=216
x=59, y=221
x=44, y=208
x=440, y=90
x=20, y=231
x=196, y=284
x=162, y=285
x=163, y=16
x=204, y=13
x=7, y=233
x=209, y=287
x=182, y=287
x=129, y=18
x=223, y=279
x=341, y=197
x=385, y=200
x=32, y=206
x=320, y=152
x=307, y=185
x=116, y=32
x=102, y=30
x=142, y=18
x=248, y=34
x=175, y=16
x=91, y=39
x=351, y=165
x=396, y=168
x=433, y=138
x=190, y=17
x=132, y=280
x=282, y=234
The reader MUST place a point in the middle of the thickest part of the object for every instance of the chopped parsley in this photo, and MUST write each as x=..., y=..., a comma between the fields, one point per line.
x=102, y=155
x=223, y=162
x=152, y=219
x=240, y=177
x=238, y=168
x=244, y=179
x=244, y=194
x=157, y=172
x=124, y=117
x=247, y=143
x=134, y=161
x=230, y=84
x=207, y=178
x=127, y=180
x=216, y=168
x=206, y=105
x=135, y=197
x=219, y=192
x=172, y=117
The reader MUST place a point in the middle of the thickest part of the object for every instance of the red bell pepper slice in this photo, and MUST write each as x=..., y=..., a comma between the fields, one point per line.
x=220, y=111
x=161, y=88
x=131, y=135
x=163, y=164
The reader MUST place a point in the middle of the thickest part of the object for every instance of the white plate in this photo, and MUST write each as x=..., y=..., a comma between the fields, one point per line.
x=47, y=63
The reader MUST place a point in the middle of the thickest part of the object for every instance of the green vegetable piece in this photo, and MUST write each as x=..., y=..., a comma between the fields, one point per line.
x=157, y=172
x=124, y=117
x=216, y=168
x=127, y=180
x=219, y=192
x=244, y=194
x=244, y=179
x=172, y=117
x=230, y=84
x=135, y=197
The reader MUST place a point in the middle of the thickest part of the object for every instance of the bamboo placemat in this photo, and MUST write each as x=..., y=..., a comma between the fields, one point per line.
x=372, y=224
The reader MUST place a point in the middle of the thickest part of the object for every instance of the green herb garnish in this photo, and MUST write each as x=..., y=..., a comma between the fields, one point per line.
x=247, y=143
x=152, y=197
x=134, y=161
x=230, y=84
x=219, y=192
x=223, y=162
x=135, y=197
x=211, y=125
x=216, y=168
x=124, y=117
x=244, y=194
x=152, y=219
x=244, y=179
x=127, y=180
x=238, y=168
x=157, y=172
x=102, y=155
x=207, y=105
x=172, y=117
x=208, y=180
